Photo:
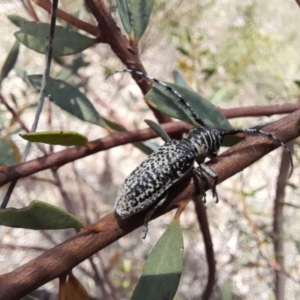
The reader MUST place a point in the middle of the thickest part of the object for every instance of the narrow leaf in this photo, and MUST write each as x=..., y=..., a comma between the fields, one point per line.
x=297, y=244
x=74, y=289
x=147, y=147
x=297, y=82
x=167, y=103
x=158, y=129
x=163, y=267
x=123, y=6
x=179, y=80
x=28, y=298
x=10, y=60
x=64, y=138
x=66, y=42
x=226, y=291
x=139, y=12
x=17, y=20
x=9, y=153
x=70, y=99
x=38, y=215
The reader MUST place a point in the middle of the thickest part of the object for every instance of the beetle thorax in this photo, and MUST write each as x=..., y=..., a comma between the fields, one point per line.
x=206, y=140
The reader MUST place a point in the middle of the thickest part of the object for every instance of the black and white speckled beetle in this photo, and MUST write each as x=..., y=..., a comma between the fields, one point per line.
x=149, y=183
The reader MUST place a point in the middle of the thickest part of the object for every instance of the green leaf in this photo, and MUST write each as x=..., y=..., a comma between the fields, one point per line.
x=183, y=51
x=163, y=268
x=70, y=99
x=297, y=244
x=39, y=215
x=210, y=71
x=64, y=138
x=222, y=95
x=179, y=80
x=123, y=6
x=9, y=153
x=23, y=75
x=17, y=20
x=297, y=82
x=28, y=298
x=167, y=103
x=66, y=42
x=139, y=15
x=147, y=147
x=10, y=60
x=226, y=291
x=158, y=129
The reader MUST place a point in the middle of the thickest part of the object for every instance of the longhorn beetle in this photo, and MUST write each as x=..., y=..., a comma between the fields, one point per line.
x=149, y=183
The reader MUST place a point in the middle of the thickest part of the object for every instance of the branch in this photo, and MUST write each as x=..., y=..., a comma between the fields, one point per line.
x=209, y=249
x=93, y=30
x=60, y=158
x=63, y=157
x=255, y=111
x=126, y=51
x=55, y=262
x=278, y=224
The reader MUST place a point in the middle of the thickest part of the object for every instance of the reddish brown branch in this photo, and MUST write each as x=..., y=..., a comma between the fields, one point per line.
x=125, y=50
x=116, y=139
x=67, y=255
x=209, y=249
x=93, y=30
x=71, y=154
x=255, y=111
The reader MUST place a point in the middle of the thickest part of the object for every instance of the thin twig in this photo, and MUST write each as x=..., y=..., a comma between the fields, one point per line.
x=209, y=249
x=278, y=223
x=256, y=111
x=93, y=30
x=127, y=51
x=48, y=59
x=19, y=120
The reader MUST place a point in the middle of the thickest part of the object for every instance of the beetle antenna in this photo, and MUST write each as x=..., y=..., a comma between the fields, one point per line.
x=182, y=101
x=256, y=132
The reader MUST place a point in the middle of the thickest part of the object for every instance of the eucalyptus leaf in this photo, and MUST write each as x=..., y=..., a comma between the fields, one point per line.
x=179, y=80
x=9, y=153
x=39, y=215
x=147, y=147
x=139, y=15
x=123, y=6
x=158, y=129
x=17, y=20
x=297, y=82
x=163, y=268
x=168, y=103
x=70, y=99
x=64, y=138
x=10, y=61
x=66, y=42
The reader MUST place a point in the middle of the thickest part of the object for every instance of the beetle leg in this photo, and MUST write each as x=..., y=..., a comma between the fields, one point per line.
x=152, y=211
x=204, y=169
x=201, y=175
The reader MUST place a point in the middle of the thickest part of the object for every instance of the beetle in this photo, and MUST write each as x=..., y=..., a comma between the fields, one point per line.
x=150, y=182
